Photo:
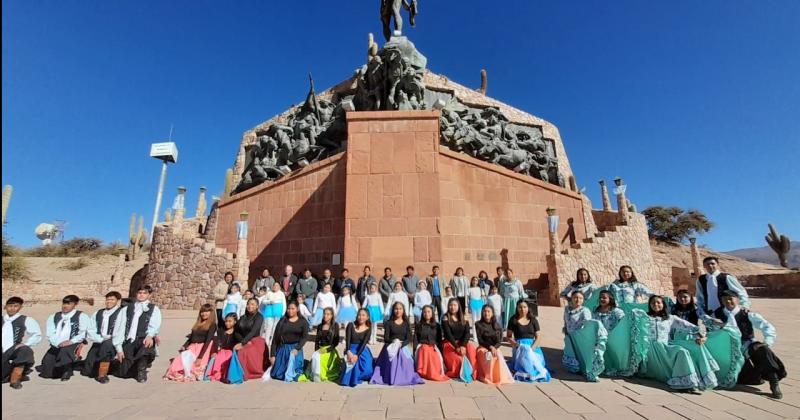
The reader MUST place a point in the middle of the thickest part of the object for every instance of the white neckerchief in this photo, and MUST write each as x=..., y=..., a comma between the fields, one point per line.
x=235, y=298
x=104, y=326
x=63, y=328
x=138, y=309
x=8, y=330
x=731, y=316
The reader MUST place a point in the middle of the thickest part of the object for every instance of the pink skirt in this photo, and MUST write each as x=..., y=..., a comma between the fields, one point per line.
x=176, y=370
x=219, y=371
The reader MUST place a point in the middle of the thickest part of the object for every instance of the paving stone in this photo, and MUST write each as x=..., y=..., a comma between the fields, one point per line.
x=655, y=412
x=555, y=387
x=617, y=412
x=543, y=408
x=513, y=412
x=750, y=413
x=460, y=408
x=397, y=396
x=415, y=411
x=603, y=398
x=520, y=393
x=575, y=404
x=364, y=415
x=318, y=408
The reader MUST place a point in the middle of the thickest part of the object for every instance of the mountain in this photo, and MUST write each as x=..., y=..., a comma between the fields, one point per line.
x=767, y=255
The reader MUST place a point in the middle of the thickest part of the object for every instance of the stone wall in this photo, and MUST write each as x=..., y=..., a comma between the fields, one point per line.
x=779, y=285
x=183, y=267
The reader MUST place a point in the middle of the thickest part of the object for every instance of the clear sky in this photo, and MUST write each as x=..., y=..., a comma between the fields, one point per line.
x=694, y=104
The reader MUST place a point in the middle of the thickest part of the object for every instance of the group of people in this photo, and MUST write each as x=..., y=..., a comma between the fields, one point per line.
x=691, y=343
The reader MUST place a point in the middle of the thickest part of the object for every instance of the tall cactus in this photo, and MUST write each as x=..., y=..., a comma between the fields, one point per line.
x=132, y=238
x=779, y=243
x=7, y=191
x=228, y=183
x=141, y=235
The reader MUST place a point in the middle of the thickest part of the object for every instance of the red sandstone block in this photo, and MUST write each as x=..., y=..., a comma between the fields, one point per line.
x=392, y=227
x=425, y=141
x=435, y=249
x=365, y=250
x=400, y=250
x=357, y=127
x=381, y=154
x=410, y=195
x=503, y=227
x=423, y=226
x=404, y=158
x=351, y=249
x=392, y=206
x=425, y=162
x=392, y=184
x=427, y=125
x=428, y=197
x=375, y=196
x=358, y=141
x=363, y=227
x=420, y=249
x=356, y=206
x=358, y=162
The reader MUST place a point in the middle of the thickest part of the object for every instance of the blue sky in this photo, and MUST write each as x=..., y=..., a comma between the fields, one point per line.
x=694, y=104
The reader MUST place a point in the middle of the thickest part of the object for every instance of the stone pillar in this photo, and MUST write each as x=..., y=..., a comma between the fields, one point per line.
x=167, y=216
x=604, y=195
x=622, y=202
x=552, y=231
x=178, y=205
x=695, y=257
x=201, y=203
x=242, y=261
x=119, y=270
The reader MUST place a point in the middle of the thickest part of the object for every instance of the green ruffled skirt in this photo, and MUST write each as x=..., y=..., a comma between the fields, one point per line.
x=584, y=348
x=627, y=344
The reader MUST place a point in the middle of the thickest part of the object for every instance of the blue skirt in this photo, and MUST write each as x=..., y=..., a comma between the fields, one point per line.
x=264, y=309
x=375, y=314
x=317, y=318
x=528, y=365
x=362, y=370
x=274, y=310
x=346, y=314
x=230, y=308
x=475, y=305
x=281, y=367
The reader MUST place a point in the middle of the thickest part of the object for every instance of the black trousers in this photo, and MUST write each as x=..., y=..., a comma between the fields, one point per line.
x=135, y=353
x=220, y=320
x=58, y=361
x=100, y=352
x=437, y=306
x=22, y=356
x=761, y=365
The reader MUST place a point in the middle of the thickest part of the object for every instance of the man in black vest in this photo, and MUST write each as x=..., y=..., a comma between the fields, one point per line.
x=66, y=330
x=142, y=323
x=18, y=356
x=106, y=333
x=761, y=363
x=710, y=286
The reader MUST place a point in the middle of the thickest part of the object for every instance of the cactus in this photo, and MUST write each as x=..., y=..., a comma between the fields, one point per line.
x=136, y=238
x=484, y=82
x=141, y=236
x=228, y=183
x=779, y=243
x=372, y=48
x=7, y=191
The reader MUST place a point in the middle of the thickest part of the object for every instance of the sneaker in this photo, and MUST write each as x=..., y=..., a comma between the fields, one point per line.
x=17, y=385
x=102, y=379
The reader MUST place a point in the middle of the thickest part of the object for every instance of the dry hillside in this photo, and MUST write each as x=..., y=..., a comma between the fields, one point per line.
x=681, y=256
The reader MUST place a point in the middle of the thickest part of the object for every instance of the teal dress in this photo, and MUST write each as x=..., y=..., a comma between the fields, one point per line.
x=512, y=292
x=589, y=291
x=627, y=344
x=584, y=343
x=682, y=364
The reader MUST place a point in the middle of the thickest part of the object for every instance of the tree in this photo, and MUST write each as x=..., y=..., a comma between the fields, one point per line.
x=673, y=224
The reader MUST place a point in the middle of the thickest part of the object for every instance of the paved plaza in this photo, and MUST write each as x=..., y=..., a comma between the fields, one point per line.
x=566, y=397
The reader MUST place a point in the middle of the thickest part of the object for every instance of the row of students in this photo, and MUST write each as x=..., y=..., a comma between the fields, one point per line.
x=124, y=335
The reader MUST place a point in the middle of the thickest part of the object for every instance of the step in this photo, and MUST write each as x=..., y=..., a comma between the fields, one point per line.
x=588, y=240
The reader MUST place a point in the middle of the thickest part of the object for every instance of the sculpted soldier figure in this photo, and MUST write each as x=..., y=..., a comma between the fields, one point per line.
x=391, y=9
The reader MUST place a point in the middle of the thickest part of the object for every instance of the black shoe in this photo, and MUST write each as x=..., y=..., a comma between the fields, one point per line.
x=66, y=376
x=776, y=390
x=102, y=379
x=141, y=373
x=17, y=385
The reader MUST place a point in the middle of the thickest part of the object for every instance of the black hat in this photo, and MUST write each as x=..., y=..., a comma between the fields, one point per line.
x=729, y=293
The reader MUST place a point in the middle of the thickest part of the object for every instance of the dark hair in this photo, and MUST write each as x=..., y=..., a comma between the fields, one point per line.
x=712, y=258
x=228, y=273
x=368, y=323
x=115, y=295
x=248, y=302
x=517, y=314
x=484, y=273
x=663, y=314
x=392, y=317
x=14, y=300
x=331, y=324
x=145, y=288
x=264, y=288
x=494, y=316
x=434, y=267
x=633, y=275
x=422, y=315
x=679, y=305
x=366, y=267
x=459, y=268
x=307, y=269
x=232, y=315
x=70, y=299
x=410, y=267
x=344, y=270
x=387, y=268
x=207, y=325
x=612, y=301
x=459, y=314
x=577, y=281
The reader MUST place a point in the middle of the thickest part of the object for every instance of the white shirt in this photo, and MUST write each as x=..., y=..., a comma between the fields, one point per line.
x=712, y=298
x=31, y=328
x=325, y=300
x=422, y=298
x=731, y=314
x=401, y=297
x=475, y=293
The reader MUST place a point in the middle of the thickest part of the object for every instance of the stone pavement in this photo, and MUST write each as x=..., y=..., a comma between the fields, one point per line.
x=566, y=397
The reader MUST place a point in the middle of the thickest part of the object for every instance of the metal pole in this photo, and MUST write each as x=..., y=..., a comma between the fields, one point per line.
x=158, y=198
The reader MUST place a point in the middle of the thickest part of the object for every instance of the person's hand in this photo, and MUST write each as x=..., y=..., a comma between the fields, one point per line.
x=494, y=351
x=182, y=349
x=120, y=356
x=293, y=352
x=463, y=350
x=65, y=343
x=237, y=347
x=197, y=363
x=148, y=342
x=157, y=340
x=513, y=342
x=272, y=360
x=701, y=340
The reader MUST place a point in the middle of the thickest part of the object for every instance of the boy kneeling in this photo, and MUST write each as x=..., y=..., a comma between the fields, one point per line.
x=142, y=323
x=106, y=333
x=18, y=356
x=66, y=330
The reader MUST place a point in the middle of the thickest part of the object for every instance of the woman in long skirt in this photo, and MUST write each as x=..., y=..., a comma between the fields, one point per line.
x=422, y=298
x=511, y=291
x=374, y=304
x=492, y=367
x=626, y=346
x=199, y=344
x=395, y=364
x=583, y=283
x=627, y=288
x=476, y=300
x=673, y=364
x=251, y=349
x=527, y=360
x=324, y=300
x=275, y=307
x=226, y=340
x=457, y=345
x=348, y=307
x=584, y=340
x=358, y=358
x=326, y=365
x=233, y=301
x=291, y=335
x=428, y=333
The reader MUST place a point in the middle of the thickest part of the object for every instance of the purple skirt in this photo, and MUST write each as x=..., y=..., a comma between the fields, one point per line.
x=399, y=371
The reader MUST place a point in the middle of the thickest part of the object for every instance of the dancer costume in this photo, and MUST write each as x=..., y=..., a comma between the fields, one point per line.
x=460, y=286
x=19, y=359
x=106, y=333
x=252, y=355
x=401, y=297
x=456, y=335
x=348, y=309
x=59, y=362
x=625, y=292
x=326, y=365
x=143, y=320
x=200, y=343
x=232, y=304
x=356, y=343
x=761, y=363
x=395, y=364
x=421, y=298
x=512, y=292
x=289, y=336
x=222, y=359
x=527, y=364
x=430, y=364
x=490, y=369
x=476, y=302
x=374, y=304
x=626, y=345
x=274, y=306
x=710, y=287
x=322, y=301
x=497, y=304
x=584, y=343
x=589, y=290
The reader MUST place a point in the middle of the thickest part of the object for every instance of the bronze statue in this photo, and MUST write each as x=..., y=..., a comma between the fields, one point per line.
x=391, y=8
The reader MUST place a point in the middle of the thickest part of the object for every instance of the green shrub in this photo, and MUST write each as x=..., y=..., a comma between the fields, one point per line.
x=15, y=268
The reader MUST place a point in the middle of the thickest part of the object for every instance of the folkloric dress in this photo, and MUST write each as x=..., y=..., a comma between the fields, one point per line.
x=584, y=343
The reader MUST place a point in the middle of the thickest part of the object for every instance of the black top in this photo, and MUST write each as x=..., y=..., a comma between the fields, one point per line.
x=523, y=331
x=489, y=334
x=248, y=327
x=428, y=333
x=456, y=334
x=200, y=336
x=288, y=332
x=354, y=337
x=686, y=313
x=393, y=332
x=329, y=337
x=224, y=340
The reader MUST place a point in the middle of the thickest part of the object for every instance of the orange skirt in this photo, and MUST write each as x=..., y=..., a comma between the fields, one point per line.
x=492, y=371
x=429, y=363
x=176, y=370
x=453, y=359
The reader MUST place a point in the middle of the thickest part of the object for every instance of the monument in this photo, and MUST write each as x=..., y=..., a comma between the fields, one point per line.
x=399, y=166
